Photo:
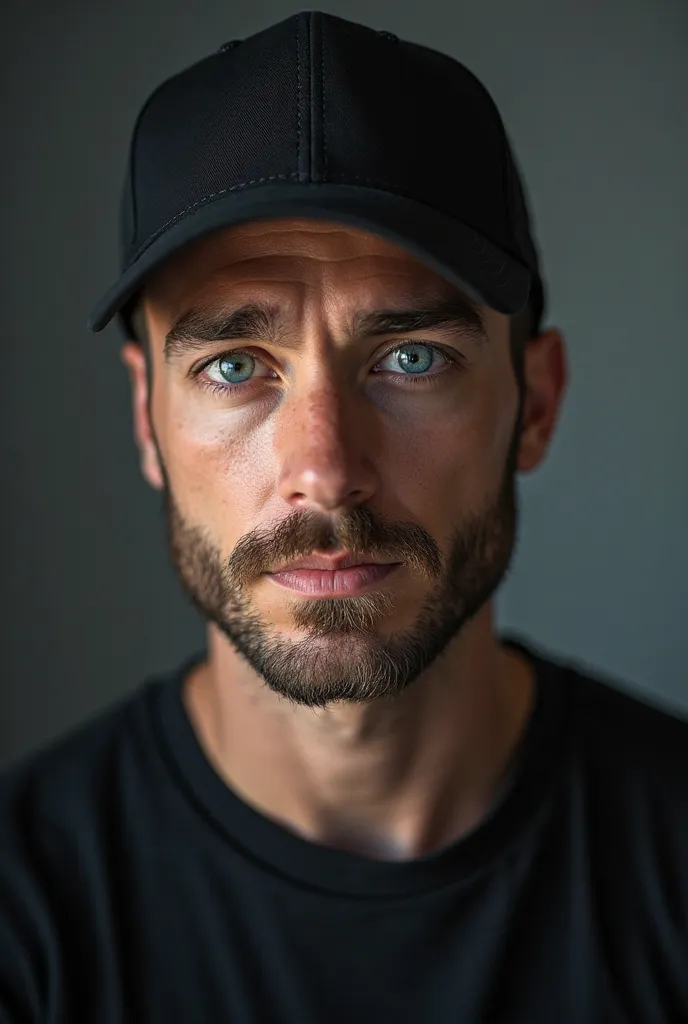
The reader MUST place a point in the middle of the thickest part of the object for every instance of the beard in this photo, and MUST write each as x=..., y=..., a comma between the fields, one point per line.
x=341, y=654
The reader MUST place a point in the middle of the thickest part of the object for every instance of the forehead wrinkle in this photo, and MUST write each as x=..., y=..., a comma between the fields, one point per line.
x=358, y=309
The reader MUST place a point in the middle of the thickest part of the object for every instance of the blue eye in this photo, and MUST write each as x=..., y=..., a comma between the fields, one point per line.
x=413, y=359
x=237, y=368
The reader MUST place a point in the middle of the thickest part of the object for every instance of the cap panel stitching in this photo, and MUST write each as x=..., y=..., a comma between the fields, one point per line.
x=205, y=199
x=480, y=245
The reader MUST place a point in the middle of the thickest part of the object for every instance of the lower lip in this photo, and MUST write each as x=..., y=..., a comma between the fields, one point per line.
x=334, y=582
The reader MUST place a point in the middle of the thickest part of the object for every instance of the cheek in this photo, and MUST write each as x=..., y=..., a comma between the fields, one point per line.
x=443, y=459
x=219, y=466
x=436, y=457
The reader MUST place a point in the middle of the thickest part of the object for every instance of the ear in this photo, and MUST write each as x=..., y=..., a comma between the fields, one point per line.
x=134, y=358
x=545, y=375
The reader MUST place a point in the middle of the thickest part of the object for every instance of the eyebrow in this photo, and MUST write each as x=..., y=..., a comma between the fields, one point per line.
x=195, y=328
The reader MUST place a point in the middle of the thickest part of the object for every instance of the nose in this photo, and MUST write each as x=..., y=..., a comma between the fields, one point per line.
x=325, y=445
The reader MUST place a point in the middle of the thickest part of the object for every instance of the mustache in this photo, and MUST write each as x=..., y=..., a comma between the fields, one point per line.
x=360, y=531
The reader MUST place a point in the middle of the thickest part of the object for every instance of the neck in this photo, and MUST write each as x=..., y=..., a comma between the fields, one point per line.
x=392, y=779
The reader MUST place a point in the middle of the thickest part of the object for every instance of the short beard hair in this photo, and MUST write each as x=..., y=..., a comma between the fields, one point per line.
x=342, y=656
x=362, y=666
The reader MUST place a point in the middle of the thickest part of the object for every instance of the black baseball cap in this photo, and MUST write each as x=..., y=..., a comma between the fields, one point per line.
x=321, y=117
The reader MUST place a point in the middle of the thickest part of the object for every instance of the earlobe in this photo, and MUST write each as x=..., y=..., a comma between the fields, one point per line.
x=545, y=379
x=134, y=359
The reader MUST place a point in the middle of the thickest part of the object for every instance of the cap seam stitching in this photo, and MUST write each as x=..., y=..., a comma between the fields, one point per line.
x=206, y=199
x=276, y=177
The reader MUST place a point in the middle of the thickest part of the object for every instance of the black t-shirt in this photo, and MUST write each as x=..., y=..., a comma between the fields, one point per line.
x=135, y=886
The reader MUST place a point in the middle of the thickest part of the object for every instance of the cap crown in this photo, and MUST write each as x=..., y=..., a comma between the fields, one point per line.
x=316, y=98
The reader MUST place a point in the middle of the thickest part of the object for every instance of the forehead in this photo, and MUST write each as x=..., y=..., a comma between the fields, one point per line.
x=314, y=253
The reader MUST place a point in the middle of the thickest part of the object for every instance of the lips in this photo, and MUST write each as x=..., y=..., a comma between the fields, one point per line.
x=329, y=562
x=338, y=582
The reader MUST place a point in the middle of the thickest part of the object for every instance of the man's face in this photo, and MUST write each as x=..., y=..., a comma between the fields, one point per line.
x=317, y=391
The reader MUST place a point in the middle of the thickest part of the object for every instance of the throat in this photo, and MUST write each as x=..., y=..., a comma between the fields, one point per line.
x=394, y=782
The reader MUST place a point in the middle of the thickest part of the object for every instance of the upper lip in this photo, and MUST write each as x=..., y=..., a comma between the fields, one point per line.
x=341, y=561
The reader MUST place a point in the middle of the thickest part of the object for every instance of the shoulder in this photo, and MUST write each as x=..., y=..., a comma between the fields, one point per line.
x=64, y=801
x=612, y=719
x=59, y=804
x=68, y=814
x=57, y=781
x=78, y=791
x=628, y=753
x=626, y=795
x=80, y=778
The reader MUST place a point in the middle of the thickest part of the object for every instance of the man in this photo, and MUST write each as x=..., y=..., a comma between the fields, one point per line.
x=360, y=803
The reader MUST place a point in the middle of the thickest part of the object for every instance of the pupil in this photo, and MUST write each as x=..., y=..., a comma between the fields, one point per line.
x=415, y=359
x=237, y=369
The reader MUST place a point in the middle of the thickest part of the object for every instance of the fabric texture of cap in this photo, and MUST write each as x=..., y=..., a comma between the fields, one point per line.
x=321, y=117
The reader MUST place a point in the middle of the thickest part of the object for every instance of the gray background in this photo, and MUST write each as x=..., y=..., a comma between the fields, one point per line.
x=592, y=94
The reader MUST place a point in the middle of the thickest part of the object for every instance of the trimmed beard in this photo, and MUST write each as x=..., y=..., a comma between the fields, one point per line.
x=341, y=655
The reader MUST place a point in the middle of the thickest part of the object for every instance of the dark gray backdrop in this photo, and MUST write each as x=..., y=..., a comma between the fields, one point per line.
x=594, y=95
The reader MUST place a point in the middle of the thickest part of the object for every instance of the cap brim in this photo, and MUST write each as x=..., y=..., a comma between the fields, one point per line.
x=453, y=249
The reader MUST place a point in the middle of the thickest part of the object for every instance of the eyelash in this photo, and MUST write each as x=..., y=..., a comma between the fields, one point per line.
x=423, y=380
